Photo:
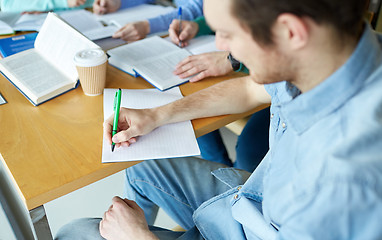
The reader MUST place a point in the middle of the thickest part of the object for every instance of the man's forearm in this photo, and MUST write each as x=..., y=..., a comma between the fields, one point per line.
x=229, y=97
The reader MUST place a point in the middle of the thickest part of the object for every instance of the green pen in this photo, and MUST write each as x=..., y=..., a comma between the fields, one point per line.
x=117, y=106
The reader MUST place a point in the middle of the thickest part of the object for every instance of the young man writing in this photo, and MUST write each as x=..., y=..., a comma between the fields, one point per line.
x=320, y=64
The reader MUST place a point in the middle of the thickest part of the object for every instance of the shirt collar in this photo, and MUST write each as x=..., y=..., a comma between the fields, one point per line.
x=307, y=108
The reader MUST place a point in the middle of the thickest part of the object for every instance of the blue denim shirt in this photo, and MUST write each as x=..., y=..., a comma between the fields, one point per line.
x=322, y=177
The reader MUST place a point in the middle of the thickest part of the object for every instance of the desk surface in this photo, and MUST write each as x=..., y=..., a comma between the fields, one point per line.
x=55, y=148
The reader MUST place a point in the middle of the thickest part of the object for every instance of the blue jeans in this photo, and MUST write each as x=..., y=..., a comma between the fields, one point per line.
x=251, y=147
x=179, y=186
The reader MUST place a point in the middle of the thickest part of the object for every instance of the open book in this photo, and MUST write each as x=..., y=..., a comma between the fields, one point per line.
x=91, y=25
x=155, y=58
x=82, y=20
x=12, y=21
x=47, y=70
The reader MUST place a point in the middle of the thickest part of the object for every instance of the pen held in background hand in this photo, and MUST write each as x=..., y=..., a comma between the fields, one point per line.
x=180, y=24
x=117, y=106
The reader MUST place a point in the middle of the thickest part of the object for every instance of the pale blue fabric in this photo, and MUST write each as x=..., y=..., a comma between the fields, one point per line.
x=251, y=146
x=133, y=3
x=191, y=9
x=38, y=5
x=321, y=179
x=46, y=5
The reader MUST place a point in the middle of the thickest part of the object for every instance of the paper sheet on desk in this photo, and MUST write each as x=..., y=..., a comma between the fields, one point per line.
x=169, y=141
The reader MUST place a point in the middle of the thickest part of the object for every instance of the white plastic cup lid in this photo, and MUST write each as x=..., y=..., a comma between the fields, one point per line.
x=90, y=57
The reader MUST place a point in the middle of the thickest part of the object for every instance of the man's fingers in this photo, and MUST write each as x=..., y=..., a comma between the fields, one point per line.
x=190, y=72
x=173, y=36
x=173, y=31
x=184, y=34
x=124, y=136
x=124, y=33
x=107, y=128
x=198, y=77
x=116, y=199
x=118, y=33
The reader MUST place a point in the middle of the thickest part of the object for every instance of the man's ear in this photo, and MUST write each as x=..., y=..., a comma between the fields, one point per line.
x=291, y=30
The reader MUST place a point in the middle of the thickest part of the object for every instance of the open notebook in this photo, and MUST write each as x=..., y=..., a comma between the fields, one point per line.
x=168, y=141
x=14, y=206
x=155, y=58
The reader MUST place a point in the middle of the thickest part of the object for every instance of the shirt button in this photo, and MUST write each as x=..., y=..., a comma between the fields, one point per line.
x=236, y=196
x=238, y=188
x=283, y=124
x=272, y=115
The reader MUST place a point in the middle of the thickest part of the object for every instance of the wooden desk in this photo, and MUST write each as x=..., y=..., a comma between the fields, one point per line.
x=55, y=148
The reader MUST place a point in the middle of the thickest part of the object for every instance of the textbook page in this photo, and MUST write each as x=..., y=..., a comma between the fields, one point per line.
x=202, y=44
x=30, y=22
x=126, y=57
x=159, y=71
x=168, y=141
x=5, y=28
x=141, y=50
x=35, y=76
x=86, y=23
x=56, y=32
x=133, y=14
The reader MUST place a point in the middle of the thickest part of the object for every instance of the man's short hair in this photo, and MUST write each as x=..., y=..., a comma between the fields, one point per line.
x=346, y=16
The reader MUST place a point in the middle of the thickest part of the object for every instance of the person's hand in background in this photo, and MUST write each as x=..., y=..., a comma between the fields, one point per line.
x=204, y=65
x=133, y=31
x=188, y=31
x=104, y=6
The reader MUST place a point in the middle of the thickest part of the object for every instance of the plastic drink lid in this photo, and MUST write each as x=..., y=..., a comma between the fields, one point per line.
x=90, y=57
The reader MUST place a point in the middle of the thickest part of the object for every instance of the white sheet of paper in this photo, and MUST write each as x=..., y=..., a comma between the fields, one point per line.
x=133, y=14
x=168, y=141
x=202, y=44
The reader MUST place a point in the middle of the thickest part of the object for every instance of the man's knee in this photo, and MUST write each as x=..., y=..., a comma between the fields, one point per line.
x=82, y=229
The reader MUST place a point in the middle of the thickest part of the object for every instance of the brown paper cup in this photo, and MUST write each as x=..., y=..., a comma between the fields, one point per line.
x=91, y=66
x=92, y=79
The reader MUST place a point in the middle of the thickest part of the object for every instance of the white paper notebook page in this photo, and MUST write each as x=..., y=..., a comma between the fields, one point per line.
x=160, y=72
x=202, y=44
x=56, y=32
x=138, y=13
x=172, y=140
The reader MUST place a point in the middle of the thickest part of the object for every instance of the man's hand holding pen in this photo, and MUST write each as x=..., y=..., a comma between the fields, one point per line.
x=131, y=124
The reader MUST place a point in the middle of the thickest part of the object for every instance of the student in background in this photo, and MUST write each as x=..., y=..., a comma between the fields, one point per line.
x=252, y=144
x=139, y=30
x=42, y=5
x=109, y=6
x=322, y=177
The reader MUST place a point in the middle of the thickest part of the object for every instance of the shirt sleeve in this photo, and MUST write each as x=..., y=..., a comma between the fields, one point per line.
x=191, y=9
x=204, y=29
x=133, y=3
x=338, y=210
x=38, y=5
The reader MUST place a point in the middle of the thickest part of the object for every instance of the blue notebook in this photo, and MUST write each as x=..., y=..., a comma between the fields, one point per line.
x=15, y=44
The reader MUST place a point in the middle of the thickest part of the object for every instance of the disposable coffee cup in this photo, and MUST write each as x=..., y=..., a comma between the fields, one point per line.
x=91, y=67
